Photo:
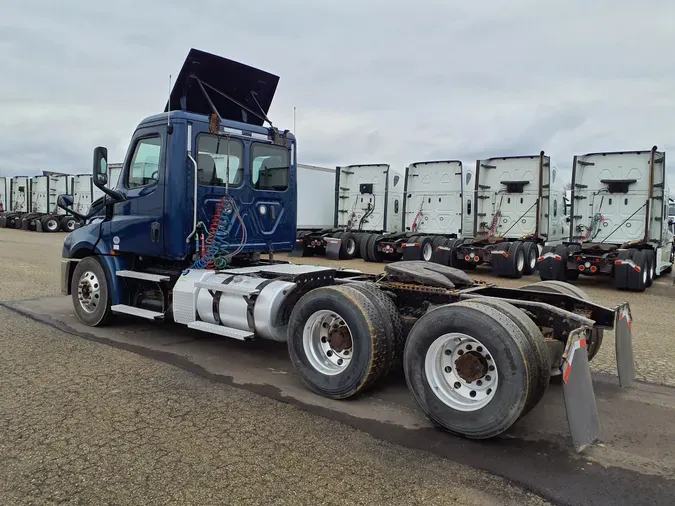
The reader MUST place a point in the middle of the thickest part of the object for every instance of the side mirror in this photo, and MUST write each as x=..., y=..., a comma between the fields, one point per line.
x=567, y=219
x=65, y=202
x=100, y=174
x=100, y=169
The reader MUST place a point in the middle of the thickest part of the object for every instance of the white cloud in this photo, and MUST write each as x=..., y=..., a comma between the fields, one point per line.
x=373, y=81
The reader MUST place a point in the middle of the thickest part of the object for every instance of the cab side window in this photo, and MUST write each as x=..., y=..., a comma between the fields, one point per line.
x=270, y=167
x=144, y=167
x=220, y=161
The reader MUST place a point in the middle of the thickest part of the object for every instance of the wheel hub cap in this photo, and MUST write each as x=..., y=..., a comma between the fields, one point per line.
x=89, y=291
x=471, y=366
x=461, y=372
x=327, y=342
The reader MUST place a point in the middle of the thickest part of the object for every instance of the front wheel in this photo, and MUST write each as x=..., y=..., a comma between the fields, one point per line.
x=91, y=293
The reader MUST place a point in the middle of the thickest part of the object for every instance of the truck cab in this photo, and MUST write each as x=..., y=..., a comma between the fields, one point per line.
x=203, y=177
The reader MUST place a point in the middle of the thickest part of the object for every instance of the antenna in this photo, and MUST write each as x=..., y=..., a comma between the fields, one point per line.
x=294, y=131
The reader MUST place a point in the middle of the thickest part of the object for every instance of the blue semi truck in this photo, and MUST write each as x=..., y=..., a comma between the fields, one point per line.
x=207, y=196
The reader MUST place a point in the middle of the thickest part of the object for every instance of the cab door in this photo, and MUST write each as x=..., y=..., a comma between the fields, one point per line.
x=138, y=223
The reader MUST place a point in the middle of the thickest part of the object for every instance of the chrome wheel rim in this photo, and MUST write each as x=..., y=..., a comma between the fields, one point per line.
x=461, y=372
x=533, y=258
x=327, y=342
x=520, y=261
x=351, y=246
x=427, y=251
x=89, y=291
x=52, y=225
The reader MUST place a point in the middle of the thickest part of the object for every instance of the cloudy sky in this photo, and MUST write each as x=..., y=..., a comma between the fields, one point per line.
x=373, y=81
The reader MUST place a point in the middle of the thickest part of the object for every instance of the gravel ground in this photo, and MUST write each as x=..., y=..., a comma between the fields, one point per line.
x=84, y=423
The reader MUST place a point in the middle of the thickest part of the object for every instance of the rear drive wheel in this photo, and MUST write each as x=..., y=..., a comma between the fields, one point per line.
x=596, y=335
x=531, y=252
x=542, y=375
x=392, y=321
x=374, y=254
x=67, y=223
x=90, y=293
x=363, y=248
x=470, y=369
x=347, y=246
x=651, y=267
x=426, y=248
x=338, y=341
x=50, y=223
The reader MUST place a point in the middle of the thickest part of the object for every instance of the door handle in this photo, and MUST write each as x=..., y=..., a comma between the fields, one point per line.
x=154, y=231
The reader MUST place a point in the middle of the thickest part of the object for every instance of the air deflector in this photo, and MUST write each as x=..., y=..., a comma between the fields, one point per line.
x=237, y=83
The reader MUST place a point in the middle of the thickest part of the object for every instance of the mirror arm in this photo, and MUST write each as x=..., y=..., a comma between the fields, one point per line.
x=114, y=194
x=71, y=211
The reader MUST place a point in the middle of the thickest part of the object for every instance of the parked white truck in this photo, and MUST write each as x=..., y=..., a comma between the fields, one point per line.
x=4, y=200
x=619, y=221
x=519, y=209
x=368, y=198
x=18, y=192
x=432, y=212
x=45, y=215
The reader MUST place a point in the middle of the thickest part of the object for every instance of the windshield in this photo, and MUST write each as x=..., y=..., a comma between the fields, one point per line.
x=671, y=210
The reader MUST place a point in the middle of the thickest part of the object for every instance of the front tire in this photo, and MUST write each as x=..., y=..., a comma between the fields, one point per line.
x=91, y=293
x=338, y=341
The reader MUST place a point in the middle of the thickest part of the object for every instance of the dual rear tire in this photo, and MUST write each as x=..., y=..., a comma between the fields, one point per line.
x=474, y=367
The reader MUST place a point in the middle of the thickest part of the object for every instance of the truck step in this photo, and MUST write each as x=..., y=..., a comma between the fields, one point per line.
x=221, y=330
x=137, y=311
x=145, y=276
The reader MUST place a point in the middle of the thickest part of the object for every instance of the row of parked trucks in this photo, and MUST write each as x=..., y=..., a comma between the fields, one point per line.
x=30, y=202
x=513, y=213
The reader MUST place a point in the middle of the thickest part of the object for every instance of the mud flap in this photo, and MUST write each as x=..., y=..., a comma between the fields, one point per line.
x=333, y=247
x=550, y=265
x=3, y=222
x=411, y=251
x=580, y=406
x=623, y=335
x=442, y=255
x=38, y=225
x=299, y=250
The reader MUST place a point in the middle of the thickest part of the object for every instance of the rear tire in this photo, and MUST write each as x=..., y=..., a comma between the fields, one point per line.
x=596, y=335
x=542, y=375
x=373, y=253
x=491, y=339
x=426, y=248
x=91, y=293
x=531, y=252
x=50, y=223
x=67, y=223
x=651, y=267
x=348, y=360
x=347, y=246
x=392, y=321
x=363, y=248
